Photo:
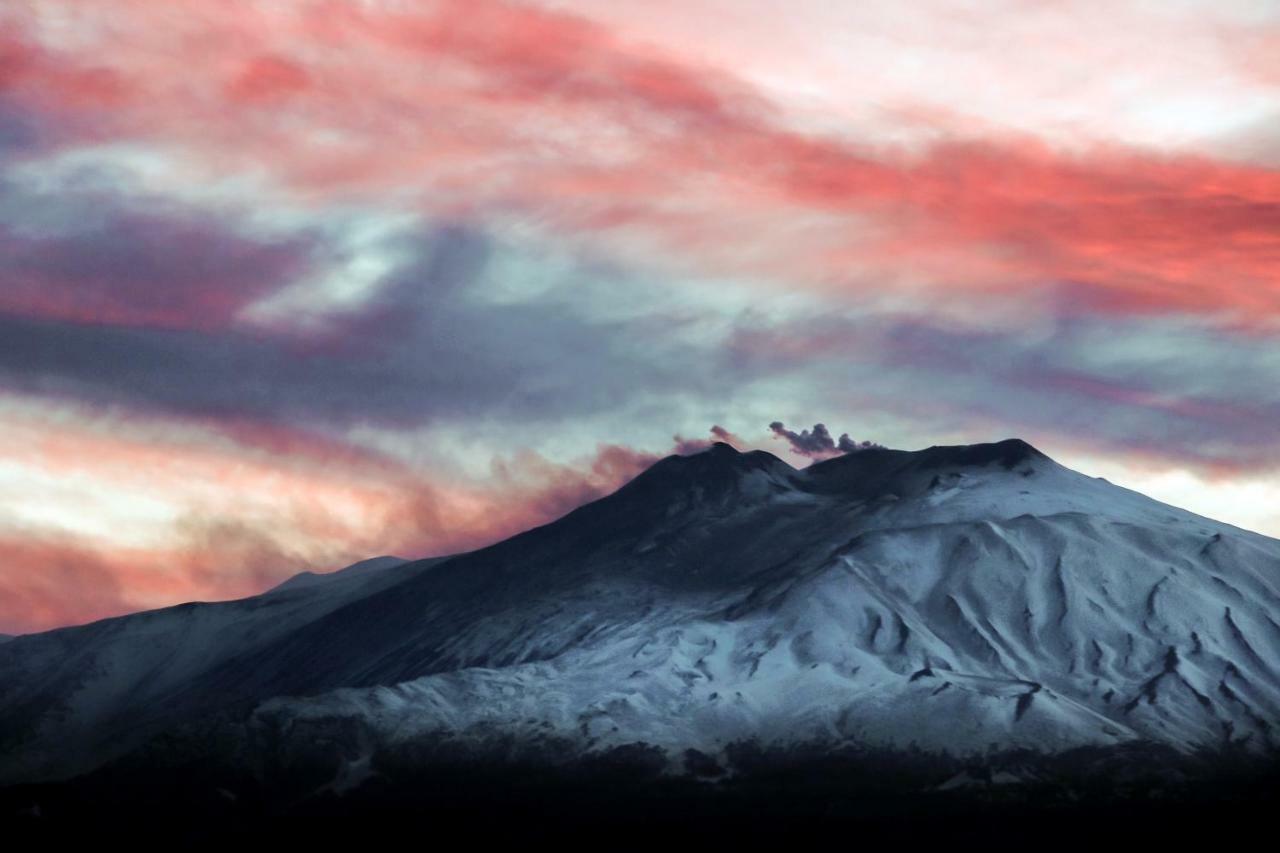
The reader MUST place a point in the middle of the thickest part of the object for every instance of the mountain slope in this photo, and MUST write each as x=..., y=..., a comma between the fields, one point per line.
x=950, y=598
x=72, y=697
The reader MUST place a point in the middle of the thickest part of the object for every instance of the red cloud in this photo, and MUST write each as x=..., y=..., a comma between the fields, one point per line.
x=471, y=106
x=46, y=584
x=268, y=78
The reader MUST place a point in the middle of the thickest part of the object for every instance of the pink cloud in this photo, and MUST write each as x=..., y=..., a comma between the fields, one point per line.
x=478, y=107
x=306, y=502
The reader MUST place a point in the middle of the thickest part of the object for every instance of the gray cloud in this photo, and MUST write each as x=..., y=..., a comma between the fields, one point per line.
x=1173, y=388
x=20, y=130
x=422, y=348
x=171, y=268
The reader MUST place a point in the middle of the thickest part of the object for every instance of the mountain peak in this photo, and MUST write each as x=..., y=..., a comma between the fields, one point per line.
x=719, y=458
x=1008, y=453
x=878, y=471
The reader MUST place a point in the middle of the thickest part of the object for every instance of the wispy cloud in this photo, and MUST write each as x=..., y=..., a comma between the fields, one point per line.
x=493, y=107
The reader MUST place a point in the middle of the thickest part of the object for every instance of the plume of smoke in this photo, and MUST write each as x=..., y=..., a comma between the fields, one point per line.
x=818, y=443
x=685, y=446
x=848, y=445
x=724, y=435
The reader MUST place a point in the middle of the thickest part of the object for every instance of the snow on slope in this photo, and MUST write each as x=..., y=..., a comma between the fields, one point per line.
x=72, y=697
x=950, y=598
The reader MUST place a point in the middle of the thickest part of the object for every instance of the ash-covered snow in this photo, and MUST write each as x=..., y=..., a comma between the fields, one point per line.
x=951, y=598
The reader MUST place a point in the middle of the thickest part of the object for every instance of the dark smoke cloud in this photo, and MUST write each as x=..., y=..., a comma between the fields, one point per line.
x=848, y=445
x=818, y=443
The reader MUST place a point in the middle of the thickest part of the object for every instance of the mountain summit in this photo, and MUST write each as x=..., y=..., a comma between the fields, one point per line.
x=953, y=598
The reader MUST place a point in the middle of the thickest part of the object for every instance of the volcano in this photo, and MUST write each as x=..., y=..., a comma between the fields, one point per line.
x=955, y=600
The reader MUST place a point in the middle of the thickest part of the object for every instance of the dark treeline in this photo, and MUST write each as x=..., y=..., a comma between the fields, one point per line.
x=630, y=795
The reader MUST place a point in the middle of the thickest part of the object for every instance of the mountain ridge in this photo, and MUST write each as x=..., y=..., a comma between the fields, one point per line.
x=952, y=597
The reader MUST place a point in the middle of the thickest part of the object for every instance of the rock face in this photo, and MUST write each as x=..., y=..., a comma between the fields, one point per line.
x=952, y=599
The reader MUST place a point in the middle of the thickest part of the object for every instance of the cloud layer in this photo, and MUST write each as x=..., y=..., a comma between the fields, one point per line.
x=397, y=270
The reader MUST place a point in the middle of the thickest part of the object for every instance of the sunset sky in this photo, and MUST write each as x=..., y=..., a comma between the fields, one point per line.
x=287, y=284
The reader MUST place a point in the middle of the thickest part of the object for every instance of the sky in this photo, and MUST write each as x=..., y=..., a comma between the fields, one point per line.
x=287, y=284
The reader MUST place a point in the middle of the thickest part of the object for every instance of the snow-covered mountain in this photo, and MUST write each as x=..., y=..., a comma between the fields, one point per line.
x=951, y=598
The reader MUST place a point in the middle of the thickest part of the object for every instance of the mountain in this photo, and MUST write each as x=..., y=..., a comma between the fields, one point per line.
x=74, y=697
x=951, y=599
